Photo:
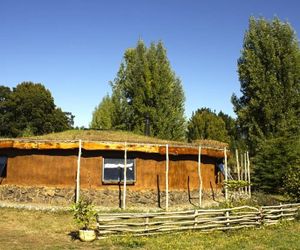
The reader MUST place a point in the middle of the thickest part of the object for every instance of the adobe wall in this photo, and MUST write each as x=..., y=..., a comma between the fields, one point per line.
x=50, y=176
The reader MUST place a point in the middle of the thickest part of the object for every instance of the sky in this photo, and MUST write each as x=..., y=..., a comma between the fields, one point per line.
x=75, y=47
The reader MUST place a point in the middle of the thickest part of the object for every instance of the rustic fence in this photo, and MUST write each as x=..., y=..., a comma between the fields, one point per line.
x=202, y=219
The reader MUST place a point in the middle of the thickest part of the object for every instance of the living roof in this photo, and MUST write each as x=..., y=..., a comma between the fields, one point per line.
x=114, y=140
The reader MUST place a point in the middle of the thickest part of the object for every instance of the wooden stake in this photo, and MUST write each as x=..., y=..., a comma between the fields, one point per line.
x=237, y=164
x=200, y=177
x=226, y=177
x=245, y=173
x=78, y=173
x=249, y=180
x=242, y=168
x=167, y=177
x=125, y=176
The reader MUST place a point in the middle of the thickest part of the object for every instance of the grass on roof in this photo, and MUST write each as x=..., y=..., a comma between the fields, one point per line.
x=103, y=135
x=120, y=136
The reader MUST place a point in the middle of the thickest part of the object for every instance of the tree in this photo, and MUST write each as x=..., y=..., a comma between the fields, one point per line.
x=29, y=109
x=205, y=124
x=269, y=73
x=147, y=93
x=269, y=109
x=276, y=160
x=102, y=115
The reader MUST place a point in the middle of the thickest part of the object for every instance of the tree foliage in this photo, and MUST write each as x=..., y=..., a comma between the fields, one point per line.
x=102, y=115
x=269, y=73
x=274, y=162
x=269, y=109
x=205, y=124
x=147, y=91
x=29, y=109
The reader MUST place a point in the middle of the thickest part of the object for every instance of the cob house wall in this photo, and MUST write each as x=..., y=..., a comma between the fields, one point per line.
x=49, y=176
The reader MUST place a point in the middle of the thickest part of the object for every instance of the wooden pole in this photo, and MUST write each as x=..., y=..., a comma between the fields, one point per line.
x=167, y=177
x=249, y=180
x=237, y=164
x=124, y=176
x=78, y=174
x=226, y=177
x=200, y=177
x=245, y=173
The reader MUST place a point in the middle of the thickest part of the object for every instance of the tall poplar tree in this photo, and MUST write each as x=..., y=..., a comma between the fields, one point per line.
x=269, y=73
x=269, y=109
x=146, y=92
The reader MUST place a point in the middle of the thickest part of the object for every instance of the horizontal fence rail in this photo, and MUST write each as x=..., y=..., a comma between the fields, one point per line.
x=202, y=219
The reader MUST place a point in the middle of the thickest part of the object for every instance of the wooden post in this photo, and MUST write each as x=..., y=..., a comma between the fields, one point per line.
x=226, y=177
x=125, y=176
x=167, y=177
x=242, y=168
x=249, y=180
x=78, y=173
x=237, y=164
x=238, y=167
x=200, y=177
x=245, y=171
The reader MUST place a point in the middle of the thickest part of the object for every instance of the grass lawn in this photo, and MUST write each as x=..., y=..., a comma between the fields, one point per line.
x=22, y=229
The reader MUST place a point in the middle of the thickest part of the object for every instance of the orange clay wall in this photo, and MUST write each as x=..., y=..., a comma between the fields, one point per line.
x=57, y=168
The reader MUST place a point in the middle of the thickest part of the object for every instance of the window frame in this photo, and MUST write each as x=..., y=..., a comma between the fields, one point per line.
x=130, y=182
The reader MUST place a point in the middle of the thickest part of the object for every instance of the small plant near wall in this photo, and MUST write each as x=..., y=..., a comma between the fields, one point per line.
x=234, y=189
x=234, y=185
x=84, y=215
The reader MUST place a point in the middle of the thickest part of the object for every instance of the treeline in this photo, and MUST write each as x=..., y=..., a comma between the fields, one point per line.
x=29, y=109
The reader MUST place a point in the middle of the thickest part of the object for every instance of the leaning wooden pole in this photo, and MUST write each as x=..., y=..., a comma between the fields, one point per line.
x=249, y=180
x=226, y=174
x=78, y=173
x=167, y=177
x=125, y=176
x=199, y=176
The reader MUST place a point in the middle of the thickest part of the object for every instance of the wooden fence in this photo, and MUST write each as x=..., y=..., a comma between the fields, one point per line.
x=202, y=219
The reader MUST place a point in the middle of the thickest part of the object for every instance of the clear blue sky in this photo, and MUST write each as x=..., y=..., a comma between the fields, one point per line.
x=75, y=47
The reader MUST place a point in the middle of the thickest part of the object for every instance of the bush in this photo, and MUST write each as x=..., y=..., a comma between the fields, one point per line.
x=84, y=213
x=292, y=182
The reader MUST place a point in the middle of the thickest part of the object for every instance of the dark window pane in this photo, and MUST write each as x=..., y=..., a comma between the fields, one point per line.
x=114, y=170
x=3, y=160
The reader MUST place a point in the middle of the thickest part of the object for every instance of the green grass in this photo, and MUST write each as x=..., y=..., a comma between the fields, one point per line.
x=119, y=136
x=22, y=229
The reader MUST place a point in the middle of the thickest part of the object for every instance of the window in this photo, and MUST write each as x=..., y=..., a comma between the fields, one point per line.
x=113, y=170
x=3, y=160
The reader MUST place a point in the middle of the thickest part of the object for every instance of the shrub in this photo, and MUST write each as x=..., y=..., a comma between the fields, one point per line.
x=292, y=182
x=84, y=213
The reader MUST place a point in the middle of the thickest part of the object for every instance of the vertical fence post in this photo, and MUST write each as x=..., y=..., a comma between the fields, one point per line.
x=125, y=176
x=78, y=173
x=249, y=179
x=245, y=171
x=238, y=166
x=167, y=177
x=226, y=174
x=200, y=177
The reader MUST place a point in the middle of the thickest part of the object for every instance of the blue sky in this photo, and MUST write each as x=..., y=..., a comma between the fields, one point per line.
x=75, y=47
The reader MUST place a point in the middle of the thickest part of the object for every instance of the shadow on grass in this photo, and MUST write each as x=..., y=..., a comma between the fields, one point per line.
x=74, y=235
